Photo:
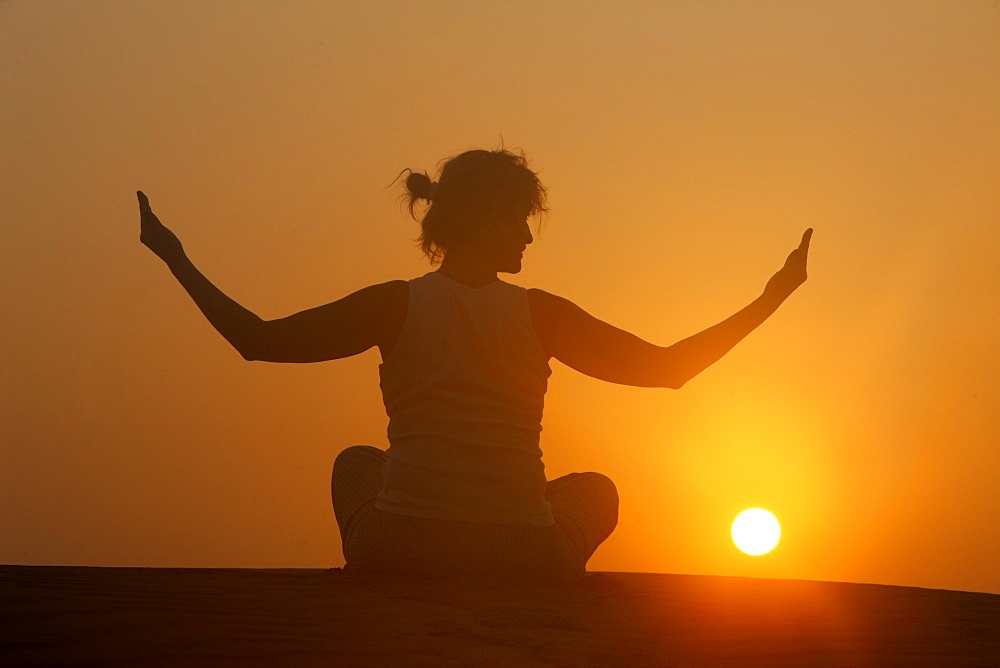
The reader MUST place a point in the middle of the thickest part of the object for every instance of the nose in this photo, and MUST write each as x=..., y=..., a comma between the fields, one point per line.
x=527, y=234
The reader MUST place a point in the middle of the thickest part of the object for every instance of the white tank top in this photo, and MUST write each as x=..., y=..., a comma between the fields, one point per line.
x=464, y=389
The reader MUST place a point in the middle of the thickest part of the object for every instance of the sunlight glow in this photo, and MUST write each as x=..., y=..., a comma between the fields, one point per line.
x=756, y=531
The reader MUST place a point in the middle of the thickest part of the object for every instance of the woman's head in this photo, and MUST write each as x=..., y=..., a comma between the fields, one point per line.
x=477, y=194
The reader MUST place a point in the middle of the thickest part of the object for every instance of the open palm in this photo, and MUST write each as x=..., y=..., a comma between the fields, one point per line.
x=154, y=234
x=793, y=273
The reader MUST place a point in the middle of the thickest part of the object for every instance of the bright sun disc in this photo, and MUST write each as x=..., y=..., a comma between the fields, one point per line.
x=756, y=531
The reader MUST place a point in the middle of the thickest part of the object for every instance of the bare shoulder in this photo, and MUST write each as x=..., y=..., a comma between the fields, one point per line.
x=386, y=303
x=388, y=293
x=392, y=299
x=371, y=316
x=382, y=302
x=545, y=302
x=550, y=316
x=543, y=306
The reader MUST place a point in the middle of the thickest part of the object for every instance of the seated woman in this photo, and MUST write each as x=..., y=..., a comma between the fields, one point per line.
x=465, y=363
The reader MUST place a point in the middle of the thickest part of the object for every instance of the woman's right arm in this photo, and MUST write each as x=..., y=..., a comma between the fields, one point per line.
x=600, y=350
x=369, y=317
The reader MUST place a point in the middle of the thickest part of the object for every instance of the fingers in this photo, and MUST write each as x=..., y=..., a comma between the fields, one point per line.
x=806, y=238
x=143, y=200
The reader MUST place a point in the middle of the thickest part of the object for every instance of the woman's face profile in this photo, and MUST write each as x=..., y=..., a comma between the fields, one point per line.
x=508, y=241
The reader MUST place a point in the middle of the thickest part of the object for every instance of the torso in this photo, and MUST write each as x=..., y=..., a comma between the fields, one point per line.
x=463, y=386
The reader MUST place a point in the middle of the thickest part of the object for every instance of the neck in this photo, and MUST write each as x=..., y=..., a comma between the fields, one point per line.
x=467, y=270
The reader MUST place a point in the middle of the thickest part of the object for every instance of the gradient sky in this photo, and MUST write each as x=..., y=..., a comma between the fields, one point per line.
x=686, y=145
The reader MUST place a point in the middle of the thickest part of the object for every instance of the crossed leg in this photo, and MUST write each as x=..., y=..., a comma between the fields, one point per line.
x=584, y=505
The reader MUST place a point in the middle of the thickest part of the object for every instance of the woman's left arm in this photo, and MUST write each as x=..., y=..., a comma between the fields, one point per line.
x=603, y=351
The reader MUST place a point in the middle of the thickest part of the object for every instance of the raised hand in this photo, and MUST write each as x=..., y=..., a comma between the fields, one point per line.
x=793, y=273
x=154, y=235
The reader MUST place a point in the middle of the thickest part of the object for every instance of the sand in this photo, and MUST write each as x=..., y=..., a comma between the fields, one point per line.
x=207, y=616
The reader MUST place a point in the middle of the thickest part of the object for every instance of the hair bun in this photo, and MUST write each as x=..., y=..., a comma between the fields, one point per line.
x=420, y=185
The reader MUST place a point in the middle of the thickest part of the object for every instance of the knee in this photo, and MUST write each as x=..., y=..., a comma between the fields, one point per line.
x=602, y=487
x=358, y=462
x=603, y=499
x=357, y=454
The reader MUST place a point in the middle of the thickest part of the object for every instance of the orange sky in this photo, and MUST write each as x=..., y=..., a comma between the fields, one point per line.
x=686, y=146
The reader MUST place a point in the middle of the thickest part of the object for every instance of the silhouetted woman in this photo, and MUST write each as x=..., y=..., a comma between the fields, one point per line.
x=465, y=363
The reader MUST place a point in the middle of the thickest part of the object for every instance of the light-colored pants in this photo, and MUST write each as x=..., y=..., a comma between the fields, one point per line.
x=585, y=507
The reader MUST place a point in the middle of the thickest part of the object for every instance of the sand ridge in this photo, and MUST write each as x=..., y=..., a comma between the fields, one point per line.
x=156, y=615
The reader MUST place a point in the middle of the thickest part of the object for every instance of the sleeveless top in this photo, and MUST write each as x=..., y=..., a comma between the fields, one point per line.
x=464, y=389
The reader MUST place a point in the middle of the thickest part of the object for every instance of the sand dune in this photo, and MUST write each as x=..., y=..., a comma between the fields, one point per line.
x=185, y=616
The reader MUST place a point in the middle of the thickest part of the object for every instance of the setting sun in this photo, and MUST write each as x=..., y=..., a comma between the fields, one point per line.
x=674, y=193
x=756, y=531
